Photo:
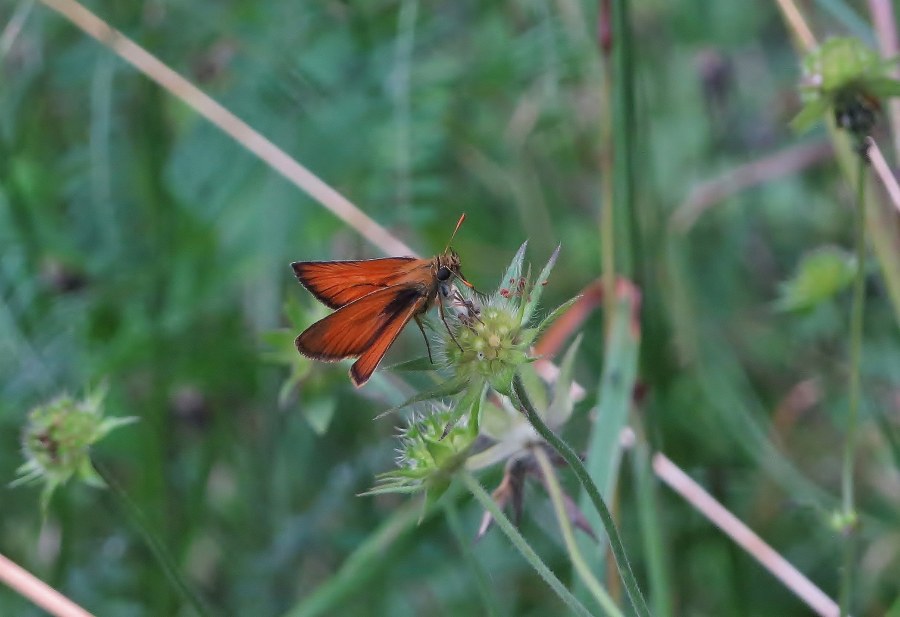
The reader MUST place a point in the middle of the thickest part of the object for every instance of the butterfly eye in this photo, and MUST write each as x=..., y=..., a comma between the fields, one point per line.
x=443, y=273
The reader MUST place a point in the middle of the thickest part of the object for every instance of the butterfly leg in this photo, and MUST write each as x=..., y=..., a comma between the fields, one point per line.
x=425, y=336
x=444, y=319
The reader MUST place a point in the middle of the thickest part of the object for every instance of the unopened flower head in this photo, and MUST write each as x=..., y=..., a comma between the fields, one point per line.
x=57, y=440
x=433, y=446
x=847, y=79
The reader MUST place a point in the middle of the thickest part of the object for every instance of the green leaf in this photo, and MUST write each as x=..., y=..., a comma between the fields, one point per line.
x=535, y=387
x=448, y=388
x=514, y=271
x=89, y=475
x=535, y=293
x=560, y=408
x=471, y=404
x=822, y=273
x=811, y=113
x=883, y=87
x=554, y=314
x=620, y=362
x=497, y=421
x=440, y=452
x=390, y=488
x=319, y=414
x=435, y=491
x=110, y=424
x=417, y=364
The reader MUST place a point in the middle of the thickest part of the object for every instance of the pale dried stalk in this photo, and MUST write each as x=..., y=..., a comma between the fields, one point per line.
x=881, y=167
x=239, y=130
x=776, y=165
x=886, y=29
x=39, y=592
x=12, y=29
x=742, y=535
x=797, y=24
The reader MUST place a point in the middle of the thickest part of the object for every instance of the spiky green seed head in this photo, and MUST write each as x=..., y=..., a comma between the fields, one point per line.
x=57, y=439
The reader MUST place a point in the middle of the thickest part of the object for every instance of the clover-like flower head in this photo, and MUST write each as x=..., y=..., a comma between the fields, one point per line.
x=490, y=337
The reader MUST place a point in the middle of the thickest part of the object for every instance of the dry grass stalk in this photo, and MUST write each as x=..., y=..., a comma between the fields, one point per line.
x=744, y=537
x=239, y=130
x=29, y=586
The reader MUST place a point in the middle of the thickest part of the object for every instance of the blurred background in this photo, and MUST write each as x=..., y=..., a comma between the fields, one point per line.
x=141, y=246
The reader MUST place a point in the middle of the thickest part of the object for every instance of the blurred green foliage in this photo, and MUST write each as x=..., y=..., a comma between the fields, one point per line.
x=141, y=246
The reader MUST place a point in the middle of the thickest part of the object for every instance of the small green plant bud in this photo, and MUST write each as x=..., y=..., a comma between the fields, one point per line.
x=57, y=440
x=847, y=79
x=433, y=447
x=844, y=522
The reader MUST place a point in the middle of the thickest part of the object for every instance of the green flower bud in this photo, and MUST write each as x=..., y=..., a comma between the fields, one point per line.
x=57, y=440
x=847, y=79
x=433, y=447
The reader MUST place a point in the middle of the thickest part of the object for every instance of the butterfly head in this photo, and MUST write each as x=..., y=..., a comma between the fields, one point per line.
x=448, y=267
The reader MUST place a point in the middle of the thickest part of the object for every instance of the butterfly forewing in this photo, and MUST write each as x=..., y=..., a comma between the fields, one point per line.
x=338, y=283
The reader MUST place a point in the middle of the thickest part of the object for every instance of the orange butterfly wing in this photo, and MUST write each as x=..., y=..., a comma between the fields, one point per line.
x=365, y=328
x=338, y=283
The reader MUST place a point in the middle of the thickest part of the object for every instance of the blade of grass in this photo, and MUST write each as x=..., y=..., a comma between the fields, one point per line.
x=520, y=543
x=565, y=527
x=603, y=449
x=163, y=557
x=607, y=206
x=489, y=599
x=625, y=212
x=652, y=526
x=569, y=455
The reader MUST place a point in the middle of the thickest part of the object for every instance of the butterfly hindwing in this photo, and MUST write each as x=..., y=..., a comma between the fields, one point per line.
x=365, y=328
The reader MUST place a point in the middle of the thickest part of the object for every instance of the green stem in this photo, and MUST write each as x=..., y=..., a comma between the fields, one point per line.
x=165, y=560
x=522, y=544
x=658, y=579
x=574, y=461
x=848, y=497
x=465, y=546
x=565, y=527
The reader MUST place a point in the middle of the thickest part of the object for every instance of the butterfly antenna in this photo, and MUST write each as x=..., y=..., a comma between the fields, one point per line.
x=453, y=235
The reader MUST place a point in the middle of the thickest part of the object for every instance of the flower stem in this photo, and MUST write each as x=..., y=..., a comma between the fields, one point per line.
x=165, y=560
x=465, y=546
x=522, y=544
x=566, y=451
x=848, y=498
x=565, y=527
